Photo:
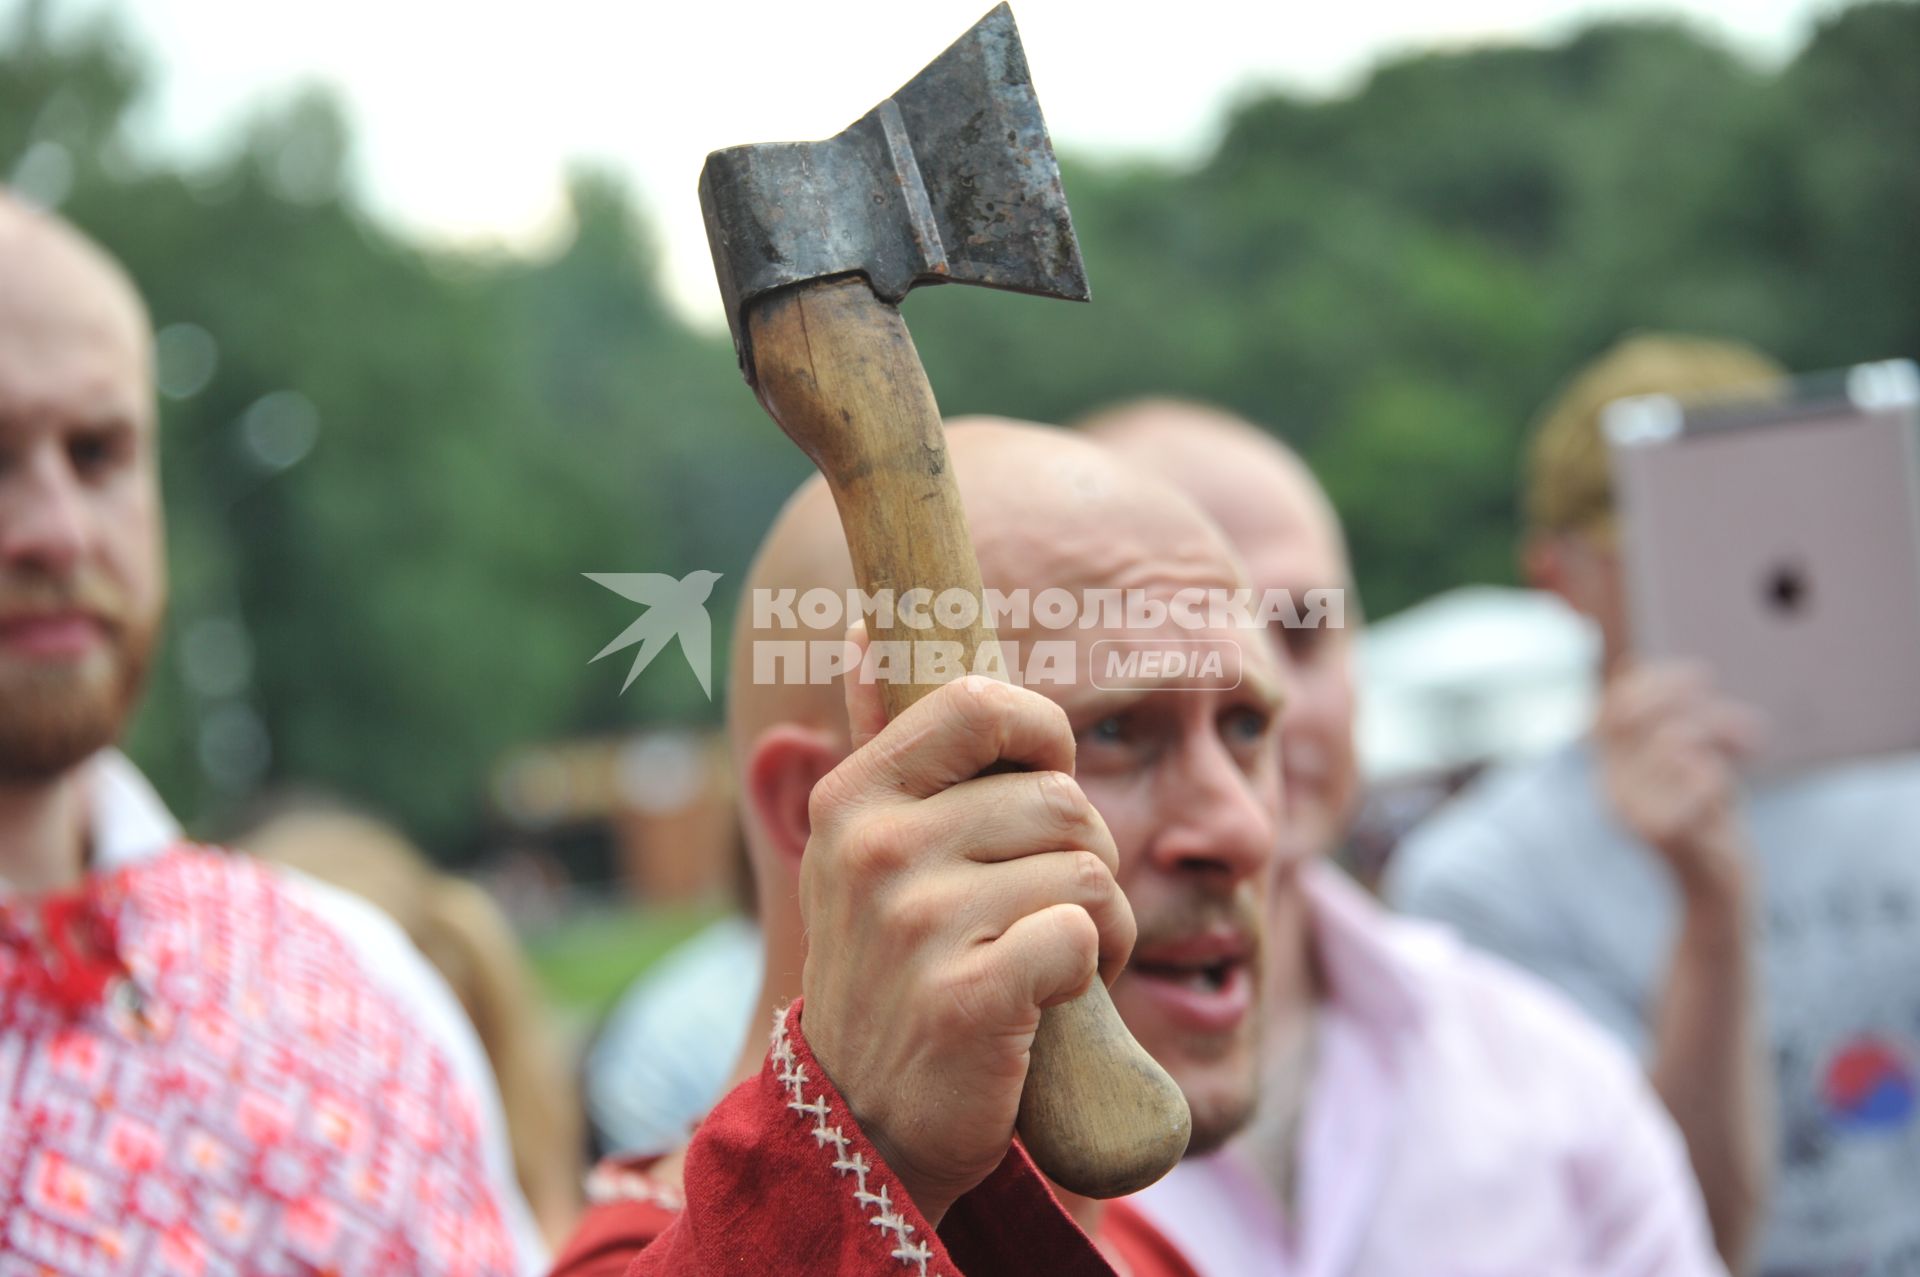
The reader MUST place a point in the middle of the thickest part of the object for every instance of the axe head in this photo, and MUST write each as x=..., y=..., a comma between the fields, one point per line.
x=950, y=180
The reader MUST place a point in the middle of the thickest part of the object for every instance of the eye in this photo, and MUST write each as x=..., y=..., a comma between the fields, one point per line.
x=1116, y=743
x=94, y=452
x=1245, y=725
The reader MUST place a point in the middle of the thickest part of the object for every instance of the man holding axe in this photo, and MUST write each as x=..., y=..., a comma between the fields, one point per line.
x=929, y=911
x=950, y=179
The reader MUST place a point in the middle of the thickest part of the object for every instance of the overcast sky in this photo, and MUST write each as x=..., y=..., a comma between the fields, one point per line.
x=466, y=115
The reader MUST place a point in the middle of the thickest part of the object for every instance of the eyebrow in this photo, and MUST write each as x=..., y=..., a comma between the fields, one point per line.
x=105, y=419
x=1255, y=682
x=106, y=423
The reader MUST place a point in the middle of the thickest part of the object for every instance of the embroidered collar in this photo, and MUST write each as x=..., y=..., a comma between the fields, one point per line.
x=63, y=947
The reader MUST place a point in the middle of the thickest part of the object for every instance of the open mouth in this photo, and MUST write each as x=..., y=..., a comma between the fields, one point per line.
x=1209, y=977
x=1203, y=983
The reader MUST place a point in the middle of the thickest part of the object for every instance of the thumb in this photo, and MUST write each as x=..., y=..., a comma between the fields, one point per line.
x=866, y=710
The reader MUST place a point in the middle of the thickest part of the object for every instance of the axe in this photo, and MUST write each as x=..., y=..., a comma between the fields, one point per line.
x=950, y=180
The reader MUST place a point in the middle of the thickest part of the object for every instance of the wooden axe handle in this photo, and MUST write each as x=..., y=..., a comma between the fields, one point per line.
x=838, y=371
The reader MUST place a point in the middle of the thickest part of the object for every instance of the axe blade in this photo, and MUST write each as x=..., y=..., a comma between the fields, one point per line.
x=951, y=180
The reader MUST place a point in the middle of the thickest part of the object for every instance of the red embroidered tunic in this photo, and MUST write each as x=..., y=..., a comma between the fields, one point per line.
x=780, y=1179
x=196, y=1077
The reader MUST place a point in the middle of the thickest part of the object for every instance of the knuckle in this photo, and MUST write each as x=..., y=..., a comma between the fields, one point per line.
x=1089, y=876
x=912, y=917
x=875, y=848
x=1064, y=801
x=980, y=704
x=1077, y=935
x=822, y=811
x=830, y=797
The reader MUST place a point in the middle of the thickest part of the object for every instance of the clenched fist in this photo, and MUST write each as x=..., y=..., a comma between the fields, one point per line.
x=944, y=909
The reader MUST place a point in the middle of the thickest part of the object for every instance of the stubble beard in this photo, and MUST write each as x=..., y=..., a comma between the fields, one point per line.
x=1219, y=1117
x=54, y=714
x=1219, y=1113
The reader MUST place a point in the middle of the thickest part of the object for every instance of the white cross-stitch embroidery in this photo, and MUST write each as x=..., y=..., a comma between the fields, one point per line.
x=892, y=1224
x=617, y=1184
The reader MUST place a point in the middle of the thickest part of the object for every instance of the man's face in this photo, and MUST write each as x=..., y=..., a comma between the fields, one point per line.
x=1319, y=762
x=81, y=569
x=1583, y=568
x=1186, y=777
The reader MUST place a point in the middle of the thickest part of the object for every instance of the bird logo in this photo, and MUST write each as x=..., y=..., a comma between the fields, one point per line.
x=676, y=608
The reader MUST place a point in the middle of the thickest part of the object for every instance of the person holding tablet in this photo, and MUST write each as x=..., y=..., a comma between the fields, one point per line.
x=1758, y=943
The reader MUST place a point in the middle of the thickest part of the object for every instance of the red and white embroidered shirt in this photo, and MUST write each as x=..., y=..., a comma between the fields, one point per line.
x=197, y=1077
x=780, y=1179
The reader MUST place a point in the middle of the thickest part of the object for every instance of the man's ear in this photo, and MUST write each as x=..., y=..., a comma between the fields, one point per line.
x=785, y=763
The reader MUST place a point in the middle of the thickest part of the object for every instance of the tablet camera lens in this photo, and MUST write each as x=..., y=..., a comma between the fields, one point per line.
x=1787, y=589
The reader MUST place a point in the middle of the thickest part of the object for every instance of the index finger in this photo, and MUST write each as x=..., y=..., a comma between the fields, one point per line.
x=960, y=730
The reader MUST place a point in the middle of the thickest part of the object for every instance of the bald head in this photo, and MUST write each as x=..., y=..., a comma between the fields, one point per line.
x=1048, y=509
x=1255, y=487
x=1044, y=508
x=67, y=311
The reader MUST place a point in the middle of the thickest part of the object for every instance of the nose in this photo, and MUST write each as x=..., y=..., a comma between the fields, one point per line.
x=1215, y=819
x=42, y=512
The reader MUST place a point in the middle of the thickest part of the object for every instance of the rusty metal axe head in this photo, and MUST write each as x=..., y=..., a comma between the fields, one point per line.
x=950, y=180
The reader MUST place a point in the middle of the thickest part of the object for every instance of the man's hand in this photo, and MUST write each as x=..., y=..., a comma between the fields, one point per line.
x=944, y=910
x=1669, y=750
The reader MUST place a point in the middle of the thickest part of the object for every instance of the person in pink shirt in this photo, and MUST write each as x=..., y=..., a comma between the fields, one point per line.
x=1428, y=1111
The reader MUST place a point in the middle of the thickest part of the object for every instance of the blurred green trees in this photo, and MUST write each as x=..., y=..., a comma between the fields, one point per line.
x=387, y=466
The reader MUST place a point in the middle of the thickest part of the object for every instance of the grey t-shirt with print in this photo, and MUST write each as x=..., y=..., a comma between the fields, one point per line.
x=1530, y=863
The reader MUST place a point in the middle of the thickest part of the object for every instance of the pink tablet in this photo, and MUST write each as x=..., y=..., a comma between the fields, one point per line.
x=1778, y=542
